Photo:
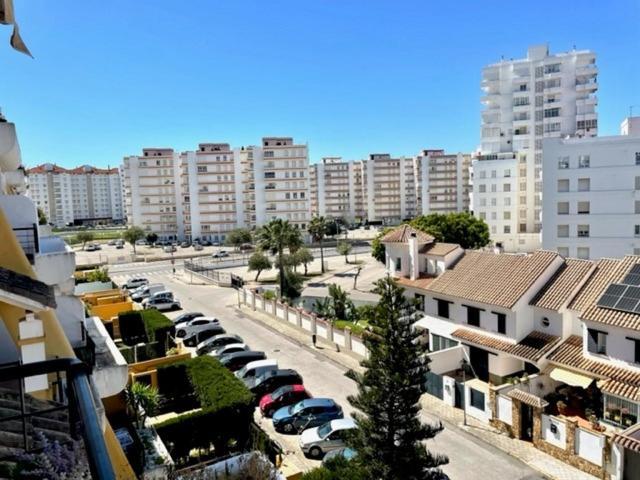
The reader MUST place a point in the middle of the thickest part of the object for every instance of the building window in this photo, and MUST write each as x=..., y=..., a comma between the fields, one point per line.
x=473, y=316
x=440, y=343
x=563, y=163
x=482, y=188
x=506, y=229
x=563, y=185
x=476, y=398
x=398, y=264
x=563, y=208
x=584, y=184
x=563, y=251
x=506, y=187
x=583, y=231
x=419, y=301
x=584, y=161
x=583, y=253
x=584, y=208
x=502, y=322
x=620, y=411
x=443, y=308
x=202, y=169
x=637, y=206
x=637, y=158
x=596, y=341
x=563, y=231
x=636, y=349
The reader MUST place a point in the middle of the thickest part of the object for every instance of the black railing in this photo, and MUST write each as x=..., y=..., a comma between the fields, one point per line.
x=81, y=408
x=28, y=238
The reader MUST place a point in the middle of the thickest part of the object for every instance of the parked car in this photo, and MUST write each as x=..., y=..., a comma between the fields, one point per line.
x=185, y=245
x=90, y=247
x=169, y=249
x=220, y=254
x=282, y=397
x=161, y=301
x=205, y=243
x=308, y=413
x=317, y=441
x=230, y=348
x=272, y=380
x=235, y=361
x=197, y=247
x=254, y=369
x=141, y=242
x=185, y=317
x=98, y=246
x=112, y=242
x=215, y=342
x=119, y=245
x=194, y=326
x=344, y=452
x=246, y=247
x=145, y=291
x=209, y=332
x=135, y=282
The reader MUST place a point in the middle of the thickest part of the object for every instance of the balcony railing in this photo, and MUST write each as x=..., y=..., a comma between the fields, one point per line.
x=28, y=238
x=72, y=385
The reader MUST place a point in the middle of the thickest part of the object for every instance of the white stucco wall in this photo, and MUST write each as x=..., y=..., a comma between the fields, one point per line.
x=589, y=446
x=559, y=438
x=504, y=409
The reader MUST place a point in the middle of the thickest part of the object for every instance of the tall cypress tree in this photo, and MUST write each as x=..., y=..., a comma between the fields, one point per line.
x=389, y=438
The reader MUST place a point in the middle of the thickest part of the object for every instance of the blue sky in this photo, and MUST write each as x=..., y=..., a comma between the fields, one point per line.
x=348, y=77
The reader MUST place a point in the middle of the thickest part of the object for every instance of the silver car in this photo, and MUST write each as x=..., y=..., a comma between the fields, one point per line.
x=315, y=442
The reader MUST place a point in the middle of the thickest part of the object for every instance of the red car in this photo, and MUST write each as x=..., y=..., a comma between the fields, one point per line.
x=283, y=396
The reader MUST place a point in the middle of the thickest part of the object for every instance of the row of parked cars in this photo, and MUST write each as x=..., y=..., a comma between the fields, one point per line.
x=279, y=392
x=151, y=295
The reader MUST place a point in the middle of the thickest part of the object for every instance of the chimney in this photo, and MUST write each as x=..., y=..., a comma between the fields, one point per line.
x=414, y=268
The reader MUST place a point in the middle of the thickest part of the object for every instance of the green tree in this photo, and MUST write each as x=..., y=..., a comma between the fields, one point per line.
x=132, y=235
x=377, y=247
x=259, y=262
x=277, y=236
x=337, y=468
x=151, y=237
x=98, y=275
x=318, y=230
x=42, y=218
x=344, y=248
x=304, y=257
x=141, y=396
x=389, y=438
x=341, y=306
x=461, y=228
x=235, y=238
x=85, y=237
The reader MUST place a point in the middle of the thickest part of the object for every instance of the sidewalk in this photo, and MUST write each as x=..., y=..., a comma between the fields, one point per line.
x=524, y=451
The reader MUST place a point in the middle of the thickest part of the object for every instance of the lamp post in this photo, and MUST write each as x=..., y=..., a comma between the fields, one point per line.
x=464, y=391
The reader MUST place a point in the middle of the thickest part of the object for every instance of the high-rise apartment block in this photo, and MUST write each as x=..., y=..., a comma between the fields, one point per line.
x=591, y=195
x=209, y=191
x=80, y=195
x=389, y=190
x=526, y=101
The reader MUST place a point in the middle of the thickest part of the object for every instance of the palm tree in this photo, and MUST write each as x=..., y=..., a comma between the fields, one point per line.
x=318, y=228
x=340, y=302
x=142, y=401
x=276, y=236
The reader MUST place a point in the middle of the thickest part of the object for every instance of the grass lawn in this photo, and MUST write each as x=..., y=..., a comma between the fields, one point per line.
x=356, y=328
x=70, y=237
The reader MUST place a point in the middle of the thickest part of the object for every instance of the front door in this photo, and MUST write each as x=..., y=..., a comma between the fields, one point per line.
x=480, y=362
x=459, y=394
x=631, y=465
x=526, y=422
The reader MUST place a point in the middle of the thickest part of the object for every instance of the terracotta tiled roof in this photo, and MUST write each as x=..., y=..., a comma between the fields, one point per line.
x=440, y=249
x=402, y=234
x=620, y=381
x=606, y=268
x=563, y=284
x=629, y=439
x=532, y=347
x=422, y=282
x=527, y=398
x=494, y=279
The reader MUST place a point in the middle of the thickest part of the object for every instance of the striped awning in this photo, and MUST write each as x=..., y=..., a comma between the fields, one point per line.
x=571, y=378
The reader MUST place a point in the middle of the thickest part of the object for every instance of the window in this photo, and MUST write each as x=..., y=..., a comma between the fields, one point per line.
x=637, y=158
x=636, y=230
x=440, y=343
x=637, y=206
x=637, y=183
x=202, y=169
x=473, y=316
x=502, y=322
x=494, y=187
x=443, y=308
x=563, y=208
x=506, y=215
x=584, y=161
x=551, y=112
x=419, y=301
x=583, y=231
x=620, y=411
x=476, y=398
x=583, y=253
x=506, y=187
x=506, y=229
x=563, y=185
x=482, y=174
x=554, y=68
x=269, y=174
x=507, y=173
x=482, y=188
x=596, y=341
x=584, y=184
x=636, y=349
x=563, y=231
x=563, y=163
x=564, y=251
x=398, y=264
x=584, y=208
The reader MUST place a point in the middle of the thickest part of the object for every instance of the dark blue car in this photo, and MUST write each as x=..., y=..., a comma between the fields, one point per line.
x=308, y=413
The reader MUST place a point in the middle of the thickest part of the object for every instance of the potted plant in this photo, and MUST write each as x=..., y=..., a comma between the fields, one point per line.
x=562, y=407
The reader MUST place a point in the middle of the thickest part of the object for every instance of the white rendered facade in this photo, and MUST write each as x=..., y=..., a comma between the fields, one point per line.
x=81, y=195
x=443, y=182
x=525, y=101
x=336, y=189
x=591, y=201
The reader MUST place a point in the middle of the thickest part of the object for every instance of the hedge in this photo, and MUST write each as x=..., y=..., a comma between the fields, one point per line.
x=144, y=326
x=224, y=420
x=147, y=352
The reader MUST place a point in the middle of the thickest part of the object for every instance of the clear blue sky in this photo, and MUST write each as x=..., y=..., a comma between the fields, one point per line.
x=348, y=77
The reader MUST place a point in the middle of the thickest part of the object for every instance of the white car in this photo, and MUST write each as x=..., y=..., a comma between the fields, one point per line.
x=192, y=327
x=136, y=282
x=256, y=368
x=230, y=348
x=161, y=301
x=317, y=441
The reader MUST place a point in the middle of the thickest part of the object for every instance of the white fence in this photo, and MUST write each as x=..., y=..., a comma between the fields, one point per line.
x=505, y=409
x=554, y=431
x=590, y=445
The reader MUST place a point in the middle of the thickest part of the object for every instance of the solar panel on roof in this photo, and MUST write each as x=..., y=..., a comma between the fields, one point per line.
x=608, y=301
x=637, y=309
x=615, y=289
x=633, y=277
x=632, y=292
x=626, y=304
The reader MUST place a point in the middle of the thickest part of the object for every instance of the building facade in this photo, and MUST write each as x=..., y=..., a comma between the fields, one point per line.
x=591, y=200
x=81, y=195
x=526, y=100
x=443, y=182
x=205, y=193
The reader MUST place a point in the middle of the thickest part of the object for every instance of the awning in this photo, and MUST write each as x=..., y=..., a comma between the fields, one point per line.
x=571, y=378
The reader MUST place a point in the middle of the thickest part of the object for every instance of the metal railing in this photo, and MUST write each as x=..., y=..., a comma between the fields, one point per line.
x=83, y=418
x=28, y=238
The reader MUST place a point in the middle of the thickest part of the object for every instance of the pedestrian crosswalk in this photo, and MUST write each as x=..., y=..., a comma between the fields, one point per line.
x=120, y=279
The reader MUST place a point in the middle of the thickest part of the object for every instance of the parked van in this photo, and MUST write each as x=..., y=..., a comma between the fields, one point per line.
x=163, y=300
x=145, y=291
x=257, y=368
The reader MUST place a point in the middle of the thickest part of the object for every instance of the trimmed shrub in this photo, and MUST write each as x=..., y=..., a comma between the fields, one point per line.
x=145, y=326
x=132, y=329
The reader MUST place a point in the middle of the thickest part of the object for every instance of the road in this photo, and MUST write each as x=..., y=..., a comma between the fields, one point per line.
x=469, y=457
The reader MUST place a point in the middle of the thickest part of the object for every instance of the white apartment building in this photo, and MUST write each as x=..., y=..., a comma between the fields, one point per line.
x=336, y=189
x=443, y=182
x=526, y=100
x=81, y=195
x=591, y=196
x=207, y=192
